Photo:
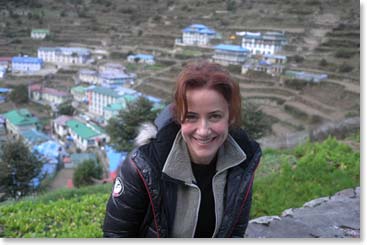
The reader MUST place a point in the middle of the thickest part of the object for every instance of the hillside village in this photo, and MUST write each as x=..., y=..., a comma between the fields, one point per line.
x=300, y=74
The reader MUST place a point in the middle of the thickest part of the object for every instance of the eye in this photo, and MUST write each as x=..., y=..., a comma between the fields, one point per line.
x=190, y=117
x=215, y=117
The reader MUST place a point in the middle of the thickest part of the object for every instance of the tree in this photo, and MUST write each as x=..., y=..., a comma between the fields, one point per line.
x=255, y=121
x=122, y=128
x=66, y=108
x=86, y=173
x=18, y=167
x=19, y=94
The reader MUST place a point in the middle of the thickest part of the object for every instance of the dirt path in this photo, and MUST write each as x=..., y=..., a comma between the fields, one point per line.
x=61, y=179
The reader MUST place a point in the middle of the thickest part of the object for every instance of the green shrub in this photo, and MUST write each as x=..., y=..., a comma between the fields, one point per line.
x=345, y=68
x=320, y=169
x=323, y=62
x=76, y=213
x=86, y=172
x=344, y=53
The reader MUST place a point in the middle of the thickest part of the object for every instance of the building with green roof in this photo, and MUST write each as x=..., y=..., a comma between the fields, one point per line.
x=20, y=120
x=86, y=135
x=39, y=33
x=79, y=93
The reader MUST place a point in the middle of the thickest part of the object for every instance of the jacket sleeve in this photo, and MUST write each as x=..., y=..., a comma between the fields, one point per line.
x=127, y=203
x=241, y=226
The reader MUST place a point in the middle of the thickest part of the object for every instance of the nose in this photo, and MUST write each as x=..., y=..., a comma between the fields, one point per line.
x=203, y=129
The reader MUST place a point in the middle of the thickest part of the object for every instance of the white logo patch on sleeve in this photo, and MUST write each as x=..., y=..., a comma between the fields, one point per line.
x=118, y=188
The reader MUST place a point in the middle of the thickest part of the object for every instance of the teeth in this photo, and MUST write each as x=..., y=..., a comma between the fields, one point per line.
x=204, y=141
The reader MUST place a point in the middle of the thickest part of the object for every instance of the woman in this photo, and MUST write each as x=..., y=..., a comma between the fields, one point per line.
x=191, y=176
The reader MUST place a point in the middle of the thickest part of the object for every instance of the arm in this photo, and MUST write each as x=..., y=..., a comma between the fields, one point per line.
x=127, y=204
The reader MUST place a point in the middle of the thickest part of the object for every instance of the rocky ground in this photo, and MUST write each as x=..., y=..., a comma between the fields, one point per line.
x=336, y=216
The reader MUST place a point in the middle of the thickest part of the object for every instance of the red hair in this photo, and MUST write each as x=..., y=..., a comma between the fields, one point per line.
x=204, y=74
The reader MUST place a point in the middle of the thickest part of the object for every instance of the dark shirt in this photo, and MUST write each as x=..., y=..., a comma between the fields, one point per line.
x=206, y=221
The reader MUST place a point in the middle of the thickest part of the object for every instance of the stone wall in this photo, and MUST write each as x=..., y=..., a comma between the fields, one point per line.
x=336, y=216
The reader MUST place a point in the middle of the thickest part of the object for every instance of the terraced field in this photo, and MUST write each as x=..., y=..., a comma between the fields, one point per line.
x=324, y=33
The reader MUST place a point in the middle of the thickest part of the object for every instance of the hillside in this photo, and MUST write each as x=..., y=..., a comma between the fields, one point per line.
x=323, y=37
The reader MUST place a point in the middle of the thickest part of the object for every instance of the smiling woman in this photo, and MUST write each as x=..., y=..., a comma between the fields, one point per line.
x=193, y=175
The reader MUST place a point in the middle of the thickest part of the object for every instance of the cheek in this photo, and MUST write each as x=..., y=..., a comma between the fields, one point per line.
x=186, y=130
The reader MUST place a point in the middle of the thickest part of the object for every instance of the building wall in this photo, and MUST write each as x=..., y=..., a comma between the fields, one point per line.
x=26, y=67
x=98, y=102
x=57, y=57
x=195, y=38
x=227, y=58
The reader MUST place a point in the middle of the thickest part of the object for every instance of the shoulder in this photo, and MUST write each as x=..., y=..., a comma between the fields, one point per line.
x=247, y=144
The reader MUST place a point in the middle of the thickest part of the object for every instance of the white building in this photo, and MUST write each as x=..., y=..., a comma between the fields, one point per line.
x=99, y=97
x=115, y=78
x=20, y=120
x=49, y=95
x=263, y=43
x=79, y=94
x=271, y=64
x=86, y=135
x=88, y=76
x=59, y=125
x=26, y=64
x=141, y=58
x=64, y=55
x=228, y=54
x=106, y=102
x=2, y=71
x=197, y=35
x=112, y=67
x=39, y=33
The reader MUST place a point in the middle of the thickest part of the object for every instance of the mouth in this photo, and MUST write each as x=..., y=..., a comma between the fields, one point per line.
x=205, y=141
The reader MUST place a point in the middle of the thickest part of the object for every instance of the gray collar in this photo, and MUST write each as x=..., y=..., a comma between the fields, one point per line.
x=178, y=163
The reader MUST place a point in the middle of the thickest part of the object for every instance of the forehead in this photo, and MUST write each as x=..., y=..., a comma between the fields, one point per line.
x=205, y=100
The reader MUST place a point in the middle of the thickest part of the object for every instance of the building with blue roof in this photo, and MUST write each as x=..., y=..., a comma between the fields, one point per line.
x=64, y=55
x=141, y=58
x=34, y=137
x=197, y=35
x=26, y=64
x=306, y=76
x=115, y=160
x=271, y=64
x=229, y=54
x=114, y=79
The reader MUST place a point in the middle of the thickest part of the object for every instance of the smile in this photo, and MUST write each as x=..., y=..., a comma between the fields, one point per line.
x=204, y=141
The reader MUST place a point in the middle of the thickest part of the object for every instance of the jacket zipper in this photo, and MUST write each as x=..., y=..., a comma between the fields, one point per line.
x=197, y=208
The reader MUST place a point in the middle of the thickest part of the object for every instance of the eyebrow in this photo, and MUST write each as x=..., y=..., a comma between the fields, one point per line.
x=211, y=112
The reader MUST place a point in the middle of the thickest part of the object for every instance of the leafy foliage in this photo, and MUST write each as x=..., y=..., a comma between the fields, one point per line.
x=86, y=172
x=122, y=128
x=19, y=94
x=256, y=123
x=316, y=170
x=76, y=213
x=18, y=167
x=66, y=108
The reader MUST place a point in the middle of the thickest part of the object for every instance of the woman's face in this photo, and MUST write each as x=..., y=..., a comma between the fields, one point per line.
x=205, y=127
